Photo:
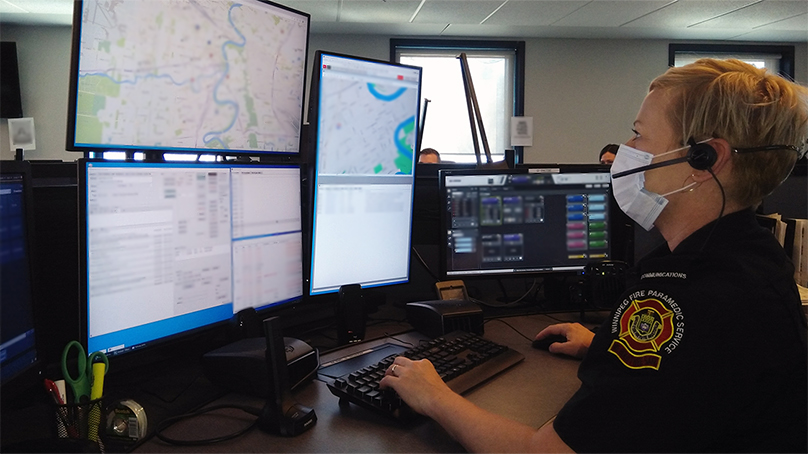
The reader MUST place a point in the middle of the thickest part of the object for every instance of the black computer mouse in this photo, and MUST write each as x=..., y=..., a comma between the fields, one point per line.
x=544, y=344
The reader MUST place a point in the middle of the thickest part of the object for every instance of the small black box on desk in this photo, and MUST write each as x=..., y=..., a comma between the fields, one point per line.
x=438, y=317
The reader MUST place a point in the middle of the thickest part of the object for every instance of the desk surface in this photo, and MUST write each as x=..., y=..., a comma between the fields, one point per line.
x=531, y=392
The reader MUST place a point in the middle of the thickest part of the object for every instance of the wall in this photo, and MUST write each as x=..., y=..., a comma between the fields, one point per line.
x=43, y=55
x=581, y=93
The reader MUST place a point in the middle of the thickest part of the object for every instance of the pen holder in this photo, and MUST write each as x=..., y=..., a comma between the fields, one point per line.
x=82, y=421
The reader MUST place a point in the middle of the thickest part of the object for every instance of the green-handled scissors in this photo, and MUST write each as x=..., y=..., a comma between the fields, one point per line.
x=81, y=383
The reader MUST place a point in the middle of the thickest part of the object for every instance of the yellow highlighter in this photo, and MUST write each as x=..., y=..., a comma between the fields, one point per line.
x=96, y=392
x=97, y=389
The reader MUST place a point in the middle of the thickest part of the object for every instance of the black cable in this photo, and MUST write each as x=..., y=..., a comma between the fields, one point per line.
x=504, y=291
x=423, y=263
x=509, y=326
x=558, y=319
x=168, y=422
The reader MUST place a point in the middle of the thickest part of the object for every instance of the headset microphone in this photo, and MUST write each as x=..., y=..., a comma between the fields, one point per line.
x=649, y=167
x=702, y=156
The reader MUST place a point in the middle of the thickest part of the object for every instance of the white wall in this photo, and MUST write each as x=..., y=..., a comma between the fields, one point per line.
x=582, y=94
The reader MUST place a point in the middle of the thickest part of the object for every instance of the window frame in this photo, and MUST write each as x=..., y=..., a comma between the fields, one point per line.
x=461, y=45
x=786, y=53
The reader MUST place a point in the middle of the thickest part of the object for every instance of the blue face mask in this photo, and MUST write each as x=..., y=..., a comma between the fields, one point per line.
x=640, y=204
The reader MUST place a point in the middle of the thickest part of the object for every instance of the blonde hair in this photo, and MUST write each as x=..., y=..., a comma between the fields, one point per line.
x=747, y=107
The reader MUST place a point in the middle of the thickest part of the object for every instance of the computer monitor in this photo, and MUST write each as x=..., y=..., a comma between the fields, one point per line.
x=541, y=220
x=364, y=117
x=426, y=225
x=186, y=76
x=18, y=338
x=168, y=249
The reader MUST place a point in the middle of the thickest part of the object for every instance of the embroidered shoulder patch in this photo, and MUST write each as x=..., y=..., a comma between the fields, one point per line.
x=648, y=324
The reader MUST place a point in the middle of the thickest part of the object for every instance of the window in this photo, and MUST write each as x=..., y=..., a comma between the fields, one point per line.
x=497, y=73
x=778, y=59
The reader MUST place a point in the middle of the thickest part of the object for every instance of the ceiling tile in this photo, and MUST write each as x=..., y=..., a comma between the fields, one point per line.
x=365, y=28
x=797, y=23
x=764, y=35
x=532, y=12
x=759, y=14
x=456, y=11
x=684, y=13
x=378, y=11
x=611, y=13
x=320, y=10
x=38, y=6
x=6, y=7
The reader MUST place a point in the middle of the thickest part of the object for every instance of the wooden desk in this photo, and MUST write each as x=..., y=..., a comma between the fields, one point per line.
x=531, y=392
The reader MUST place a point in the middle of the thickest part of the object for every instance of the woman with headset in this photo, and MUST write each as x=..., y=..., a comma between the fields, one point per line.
x=706, y=349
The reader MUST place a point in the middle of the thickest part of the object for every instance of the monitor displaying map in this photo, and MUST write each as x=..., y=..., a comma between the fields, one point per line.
x=187, y=76
x=364, y=114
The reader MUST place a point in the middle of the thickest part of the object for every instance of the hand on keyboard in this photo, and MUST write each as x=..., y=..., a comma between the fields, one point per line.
x=460, y=360
x=417, y=382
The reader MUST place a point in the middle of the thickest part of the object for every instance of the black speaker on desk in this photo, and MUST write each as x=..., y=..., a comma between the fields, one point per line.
x=350, y=314
x=438, y=317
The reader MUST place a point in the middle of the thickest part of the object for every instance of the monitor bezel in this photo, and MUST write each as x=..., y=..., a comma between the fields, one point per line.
x=70, y=137
x=202, y=337
x=620, y=226
x=313, y=162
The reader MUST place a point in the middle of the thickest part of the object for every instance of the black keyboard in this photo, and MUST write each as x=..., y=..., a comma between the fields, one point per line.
x=463, y=361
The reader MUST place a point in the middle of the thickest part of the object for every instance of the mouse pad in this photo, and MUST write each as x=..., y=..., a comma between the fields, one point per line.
x=358, y=360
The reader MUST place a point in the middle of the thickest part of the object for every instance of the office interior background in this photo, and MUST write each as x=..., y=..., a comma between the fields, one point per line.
x=588, y=63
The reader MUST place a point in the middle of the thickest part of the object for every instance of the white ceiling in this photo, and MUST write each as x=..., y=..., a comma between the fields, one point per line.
x=738, y=20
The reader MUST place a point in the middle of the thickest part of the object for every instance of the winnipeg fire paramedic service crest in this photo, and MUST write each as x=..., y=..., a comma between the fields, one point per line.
x=650, y=324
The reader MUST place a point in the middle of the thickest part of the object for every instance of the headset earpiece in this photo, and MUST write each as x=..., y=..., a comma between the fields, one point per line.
x=701, y=156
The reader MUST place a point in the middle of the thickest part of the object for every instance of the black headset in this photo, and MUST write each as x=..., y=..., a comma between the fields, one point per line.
x=701, y=156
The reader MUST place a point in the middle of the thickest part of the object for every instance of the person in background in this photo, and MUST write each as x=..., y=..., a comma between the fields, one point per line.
x=608, y=153
x=429, y=156
x=706, y=349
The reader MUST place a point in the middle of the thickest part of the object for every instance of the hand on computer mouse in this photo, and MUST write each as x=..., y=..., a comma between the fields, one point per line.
x=544, y=343
x=570, y=339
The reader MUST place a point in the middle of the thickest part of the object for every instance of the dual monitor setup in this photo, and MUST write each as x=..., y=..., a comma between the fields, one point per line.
x=169, y=247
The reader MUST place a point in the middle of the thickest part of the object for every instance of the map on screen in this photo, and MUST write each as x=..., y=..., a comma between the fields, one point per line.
x=366, y=119
x=203, y=75
x=383, y=139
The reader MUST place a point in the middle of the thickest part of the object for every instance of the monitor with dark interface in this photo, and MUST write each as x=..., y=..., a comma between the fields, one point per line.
x=18, y=348
x=170, y=248
x=528, y=220
x=364, y=114
x=185, y=76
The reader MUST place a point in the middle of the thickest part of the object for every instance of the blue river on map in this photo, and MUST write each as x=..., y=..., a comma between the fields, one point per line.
x=401, y=146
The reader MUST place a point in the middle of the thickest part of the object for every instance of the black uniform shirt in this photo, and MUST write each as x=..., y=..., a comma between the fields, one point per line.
x=705, y=351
